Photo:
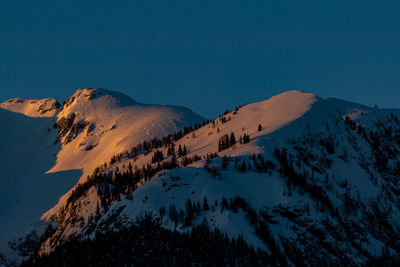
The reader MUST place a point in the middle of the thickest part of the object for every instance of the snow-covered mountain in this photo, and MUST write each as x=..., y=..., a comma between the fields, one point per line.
x=306, y=180
x=47, y=148
x=111, y=123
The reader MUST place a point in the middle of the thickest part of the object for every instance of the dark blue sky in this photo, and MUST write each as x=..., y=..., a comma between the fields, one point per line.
x=207, y=55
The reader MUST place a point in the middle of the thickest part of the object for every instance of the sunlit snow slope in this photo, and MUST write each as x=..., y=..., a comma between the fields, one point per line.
x=97, y=123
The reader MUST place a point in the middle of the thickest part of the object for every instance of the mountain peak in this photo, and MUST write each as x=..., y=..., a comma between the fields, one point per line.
x=47, y=107
x=292, y=95
x=100, y=95
x=289, y=101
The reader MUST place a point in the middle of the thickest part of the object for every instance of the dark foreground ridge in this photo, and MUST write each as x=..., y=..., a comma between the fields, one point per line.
x=146, y=243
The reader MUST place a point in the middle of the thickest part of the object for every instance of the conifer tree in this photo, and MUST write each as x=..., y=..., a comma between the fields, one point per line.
x=246, y=138
x=227, y=141
x=180, y=151
x=205, y=204
x=233, y=139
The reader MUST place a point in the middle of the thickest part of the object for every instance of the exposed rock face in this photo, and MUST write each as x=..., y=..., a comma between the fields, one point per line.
x=65, y=123
x=69, y=129
x=45, y=107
